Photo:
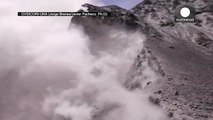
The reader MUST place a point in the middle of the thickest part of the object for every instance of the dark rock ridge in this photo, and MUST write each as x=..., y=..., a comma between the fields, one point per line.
x=182, y=53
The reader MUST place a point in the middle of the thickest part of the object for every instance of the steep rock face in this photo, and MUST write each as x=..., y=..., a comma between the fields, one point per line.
x=182, y=53
x=160, y=14
x=185, y=52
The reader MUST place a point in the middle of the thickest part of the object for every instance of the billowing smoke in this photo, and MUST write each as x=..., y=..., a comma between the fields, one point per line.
x=50, y=73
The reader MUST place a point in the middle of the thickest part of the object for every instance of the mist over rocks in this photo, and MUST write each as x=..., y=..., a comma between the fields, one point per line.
x=50, y=73
x=137, y=64
x=180, y=53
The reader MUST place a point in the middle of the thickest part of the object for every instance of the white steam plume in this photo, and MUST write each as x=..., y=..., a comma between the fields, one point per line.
x=49, y=73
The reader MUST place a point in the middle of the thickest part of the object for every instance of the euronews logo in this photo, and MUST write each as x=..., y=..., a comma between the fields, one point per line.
x=185, y=13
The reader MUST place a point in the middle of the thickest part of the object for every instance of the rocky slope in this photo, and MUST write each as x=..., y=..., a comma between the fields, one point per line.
x=182, y=53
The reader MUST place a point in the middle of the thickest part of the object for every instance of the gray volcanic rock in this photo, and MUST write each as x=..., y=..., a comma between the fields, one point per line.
x=182, y=53
x=160, y=15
